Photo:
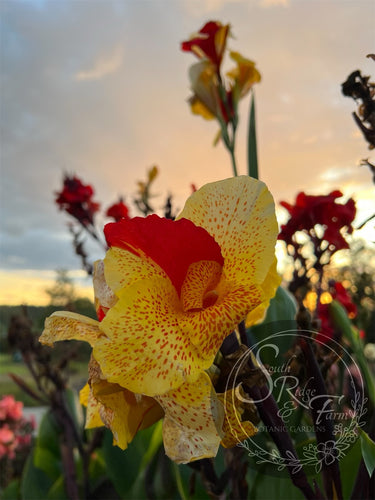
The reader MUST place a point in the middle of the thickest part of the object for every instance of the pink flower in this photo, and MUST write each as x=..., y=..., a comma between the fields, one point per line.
x=10, y=408
x=7, y=442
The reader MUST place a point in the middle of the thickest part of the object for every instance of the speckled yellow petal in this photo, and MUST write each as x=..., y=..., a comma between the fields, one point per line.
x=123, y=268
x=208, y=328
x=240, y=214
x=269, y=286
x=87, y=399
x=124, y=412
x=144, y=348
x=198, y=289
x=64, y=325
x=193, y=418
x=103, y=293
x=234, y=429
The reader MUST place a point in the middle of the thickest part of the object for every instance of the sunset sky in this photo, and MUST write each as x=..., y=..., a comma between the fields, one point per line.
x=99, y=88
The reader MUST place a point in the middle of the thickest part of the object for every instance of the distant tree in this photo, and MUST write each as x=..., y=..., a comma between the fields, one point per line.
x=62, y=293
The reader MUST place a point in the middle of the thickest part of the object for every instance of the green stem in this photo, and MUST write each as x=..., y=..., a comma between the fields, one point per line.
x=233, y=158
x=180, y=485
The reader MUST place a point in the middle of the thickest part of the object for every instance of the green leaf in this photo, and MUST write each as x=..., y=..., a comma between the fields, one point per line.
x=282, y=306
x=279, y=324
x=368, y=451
x=349, y=465
x=35, y=483
x=252, y=156
x=75, y=409
x=44, y=459
x=57, y=490
x=155, y=443
x=48, y=435
x=124, y=466
x=12, y=491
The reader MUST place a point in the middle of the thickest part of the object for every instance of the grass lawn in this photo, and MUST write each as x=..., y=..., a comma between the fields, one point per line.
x=77, y=378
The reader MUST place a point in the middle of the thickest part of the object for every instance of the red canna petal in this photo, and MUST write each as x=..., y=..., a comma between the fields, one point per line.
x=173, y=245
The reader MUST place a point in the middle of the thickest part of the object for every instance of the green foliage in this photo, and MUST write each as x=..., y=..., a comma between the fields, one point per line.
x=252, y=155
x=278, y=323
x=368, y=451
x=12, y=491
x=349, y=465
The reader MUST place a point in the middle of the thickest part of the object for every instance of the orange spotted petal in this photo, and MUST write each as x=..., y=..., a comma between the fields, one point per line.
x=64, y=325
x=269, y=286
x=208, y=328
x=144, y=348
x=240, y=214
x=193, y=420
x=123, y=268
x=86, y=398
x=234, y=429
x=124, y=412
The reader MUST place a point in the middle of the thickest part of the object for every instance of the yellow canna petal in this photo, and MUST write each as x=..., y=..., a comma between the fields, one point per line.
x=208, y=328
x=240, y=214
x=193, y=418
x=122, y=411
x=64, y=325
x=204, y=84
x=234, y=429
x=144, y=348
x=122, y=269
x=244, y=74
x=199, y=108
x=103, y=293
x=87, y=399
x=269, y=286
x=198, y=289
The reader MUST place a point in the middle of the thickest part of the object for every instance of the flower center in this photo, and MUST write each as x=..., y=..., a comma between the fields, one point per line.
x=198, y=290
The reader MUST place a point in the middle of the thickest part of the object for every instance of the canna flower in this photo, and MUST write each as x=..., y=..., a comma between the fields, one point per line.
x=167, y=294
x=335, y=218
x=243, y=77
x=205, y=100
x=76, y=199
x=210, y=98
x=118, y=210
x=209, y=42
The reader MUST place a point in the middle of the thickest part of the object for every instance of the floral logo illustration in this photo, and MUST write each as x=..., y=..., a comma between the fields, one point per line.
x=323, y=421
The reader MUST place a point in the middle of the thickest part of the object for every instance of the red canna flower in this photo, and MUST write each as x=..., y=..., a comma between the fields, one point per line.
x=310, y=211
x=76, y=199
x=209, y=42
x=118, y=211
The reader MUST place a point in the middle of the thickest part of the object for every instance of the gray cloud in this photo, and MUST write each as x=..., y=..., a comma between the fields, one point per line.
x=100, y=88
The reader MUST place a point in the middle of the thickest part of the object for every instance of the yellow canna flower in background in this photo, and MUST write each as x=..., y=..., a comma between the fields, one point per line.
x=168, y=293
x=243, y=76
x=204, y=84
